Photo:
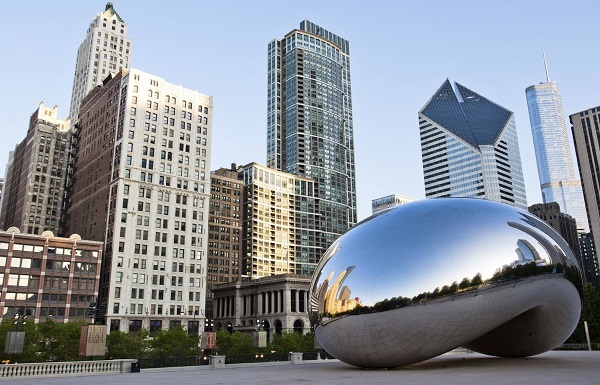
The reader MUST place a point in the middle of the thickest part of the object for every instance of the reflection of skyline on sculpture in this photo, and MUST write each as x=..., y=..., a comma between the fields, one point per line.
x=435, y=264
x=337, y=297
x=480, y=255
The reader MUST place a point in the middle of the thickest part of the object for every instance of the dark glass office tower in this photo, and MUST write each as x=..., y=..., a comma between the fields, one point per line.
x=310, y=126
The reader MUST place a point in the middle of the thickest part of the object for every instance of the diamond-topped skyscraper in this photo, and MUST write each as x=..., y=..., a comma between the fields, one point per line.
x=105, y=50
x=310, y=124
x=470, y=148
x=552, y=152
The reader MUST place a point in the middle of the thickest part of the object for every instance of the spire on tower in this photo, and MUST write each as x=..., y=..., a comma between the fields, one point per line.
x=546, y=67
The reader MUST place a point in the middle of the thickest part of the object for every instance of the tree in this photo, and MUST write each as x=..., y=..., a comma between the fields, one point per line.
x=234, y=343
x=476, y=281
x=293, y=342
x=127, y=345
x=174, y=342
x=590, y=313
x=32, y=346
x=60, y=341
x=465, y=283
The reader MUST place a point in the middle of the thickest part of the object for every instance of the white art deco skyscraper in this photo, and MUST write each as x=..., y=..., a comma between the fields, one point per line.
x=310, y=125
x=469, y=147
x=552, y=153
x=105, y=49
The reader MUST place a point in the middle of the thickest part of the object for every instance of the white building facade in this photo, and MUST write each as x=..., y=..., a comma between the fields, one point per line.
x=469, y=148
x=105, y=49
x=142, y=186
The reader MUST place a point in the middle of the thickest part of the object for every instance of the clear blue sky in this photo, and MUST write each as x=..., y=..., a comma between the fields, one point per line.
x=401, y=52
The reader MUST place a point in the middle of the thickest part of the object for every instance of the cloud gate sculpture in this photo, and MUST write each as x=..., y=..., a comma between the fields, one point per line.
x=426, y=277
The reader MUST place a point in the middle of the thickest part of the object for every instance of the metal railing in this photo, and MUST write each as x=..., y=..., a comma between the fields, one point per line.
x=253, y=358
x=579, y=346
x=167, y=362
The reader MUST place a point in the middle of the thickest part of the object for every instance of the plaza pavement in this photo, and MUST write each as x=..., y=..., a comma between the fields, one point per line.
x=555, y=367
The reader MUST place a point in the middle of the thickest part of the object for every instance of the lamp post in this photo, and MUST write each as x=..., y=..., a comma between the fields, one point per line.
x=15, y=341
x=92, y=311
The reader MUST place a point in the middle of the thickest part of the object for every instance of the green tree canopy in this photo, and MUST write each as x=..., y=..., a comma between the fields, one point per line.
x=127, y=345
x=293, y=342
x=174, y=342
x=234, y=343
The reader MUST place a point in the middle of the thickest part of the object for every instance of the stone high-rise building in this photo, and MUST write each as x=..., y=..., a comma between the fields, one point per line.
x=105, y=50
x=225, y=227
x=563, y=223
x=34, y=188
x=470, y=148
x=310, y=128
x=141, y=186
x=585, y=126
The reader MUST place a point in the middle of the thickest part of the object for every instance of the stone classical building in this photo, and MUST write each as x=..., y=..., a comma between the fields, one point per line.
x=43, y=276
x=276, y=304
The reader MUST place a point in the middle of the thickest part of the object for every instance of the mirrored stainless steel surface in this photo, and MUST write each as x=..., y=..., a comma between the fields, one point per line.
x=421, y=262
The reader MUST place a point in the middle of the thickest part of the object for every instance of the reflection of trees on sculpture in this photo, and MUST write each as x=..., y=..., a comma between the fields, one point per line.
x=506, y=274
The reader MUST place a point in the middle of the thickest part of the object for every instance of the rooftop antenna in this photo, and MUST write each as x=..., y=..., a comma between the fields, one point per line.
x=546, y=67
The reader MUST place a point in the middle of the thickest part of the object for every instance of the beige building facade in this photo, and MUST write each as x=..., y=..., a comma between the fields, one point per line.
x=276, y=304
x=280, y=224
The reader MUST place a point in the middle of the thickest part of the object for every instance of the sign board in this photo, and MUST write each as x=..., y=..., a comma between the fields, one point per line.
x=14, y=342
x=259, y=339
x=209, y=340
x=92, y=341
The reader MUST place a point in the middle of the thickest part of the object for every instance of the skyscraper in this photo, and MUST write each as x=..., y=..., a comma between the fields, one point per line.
x=470, y=148
x=141, y=186
x=34, y=187
x=381, y=204
x=280, y=223
x=585, y=126
x=552, y=153
x=105, y=49
x=310, y=124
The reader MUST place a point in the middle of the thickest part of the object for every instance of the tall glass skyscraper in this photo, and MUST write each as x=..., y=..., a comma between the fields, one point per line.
x=310, y=124
x=552, y=153
x=470, y=148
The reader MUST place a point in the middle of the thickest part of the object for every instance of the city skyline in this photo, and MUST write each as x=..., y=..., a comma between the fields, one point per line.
x=219, y=49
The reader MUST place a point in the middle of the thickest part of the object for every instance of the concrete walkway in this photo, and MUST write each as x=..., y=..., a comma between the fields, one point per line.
x=556, y=367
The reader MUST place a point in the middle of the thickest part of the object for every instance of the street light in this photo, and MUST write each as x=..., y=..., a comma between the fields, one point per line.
x=19, y=319
x=15, y=341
